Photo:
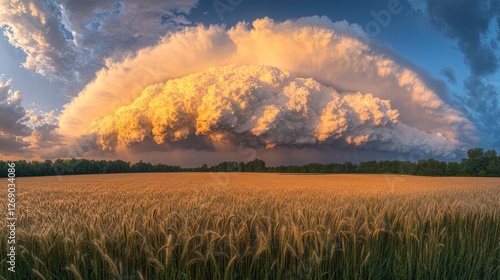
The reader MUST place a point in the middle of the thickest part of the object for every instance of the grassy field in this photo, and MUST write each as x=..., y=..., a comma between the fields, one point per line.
x=255, y=226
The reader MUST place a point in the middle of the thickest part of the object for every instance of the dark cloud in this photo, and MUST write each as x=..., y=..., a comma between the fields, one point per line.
x=449, y=73
x=469, y=23
x=466, y=22
x=12, y=114
x=483, y=105
x=83, y=147
x=45, y=136
x=12, y=145
x=24, y=131
x=12, y=118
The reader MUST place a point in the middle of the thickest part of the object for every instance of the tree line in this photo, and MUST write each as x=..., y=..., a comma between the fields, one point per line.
x=477, y=163
x=82, y=166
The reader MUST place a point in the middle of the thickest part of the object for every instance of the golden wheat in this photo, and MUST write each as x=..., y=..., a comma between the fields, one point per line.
x=259, y=226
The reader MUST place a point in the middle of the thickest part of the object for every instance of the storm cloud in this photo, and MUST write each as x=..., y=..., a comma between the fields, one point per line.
x=23, y=131
x=352, y=95
x=475, y=27
x=261, y=105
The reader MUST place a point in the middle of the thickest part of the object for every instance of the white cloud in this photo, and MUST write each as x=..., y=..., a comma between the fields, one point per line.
x=333, y=54
x=330, y=87
x=68, y=41
x=262, y=106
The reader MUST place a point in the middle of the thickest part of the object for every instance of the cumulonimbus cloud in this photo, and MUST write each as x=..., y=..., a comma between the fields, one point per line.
x=380, y=103
x=261, y=106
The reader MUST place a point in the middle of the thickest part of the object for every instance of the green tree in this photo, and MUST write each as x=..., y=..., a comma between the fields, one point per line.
x=452, y=169
x=142, y=167
x=368, y=167
x=493, y=163
x=4, y=169
x=475, y=164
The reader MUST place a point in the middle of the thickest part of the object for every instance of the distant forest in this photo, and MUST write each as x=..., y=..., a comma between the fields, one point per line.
x=477, y=163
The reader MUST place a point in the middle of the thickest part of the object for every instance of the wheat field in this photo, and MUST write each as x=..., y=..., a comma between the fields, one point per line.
x=256, y=226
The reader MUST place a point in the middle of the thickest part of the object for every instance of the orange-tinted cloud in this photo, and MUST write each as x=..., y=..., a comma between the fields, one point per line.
x=395, y=109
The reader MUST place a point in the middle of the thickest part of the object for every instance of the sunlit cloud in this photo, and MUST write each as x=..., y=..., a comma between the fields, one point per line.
x=394, y=110
x=69, y=41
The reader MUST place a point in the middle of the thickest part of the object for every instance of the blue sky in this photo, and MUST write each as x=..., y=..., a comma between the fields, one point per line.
x=56, y=53
x=405, y=34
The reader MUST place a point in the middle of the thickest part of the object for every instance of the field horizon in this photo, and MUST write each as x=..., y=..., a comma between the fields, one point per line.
x=257, y=226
